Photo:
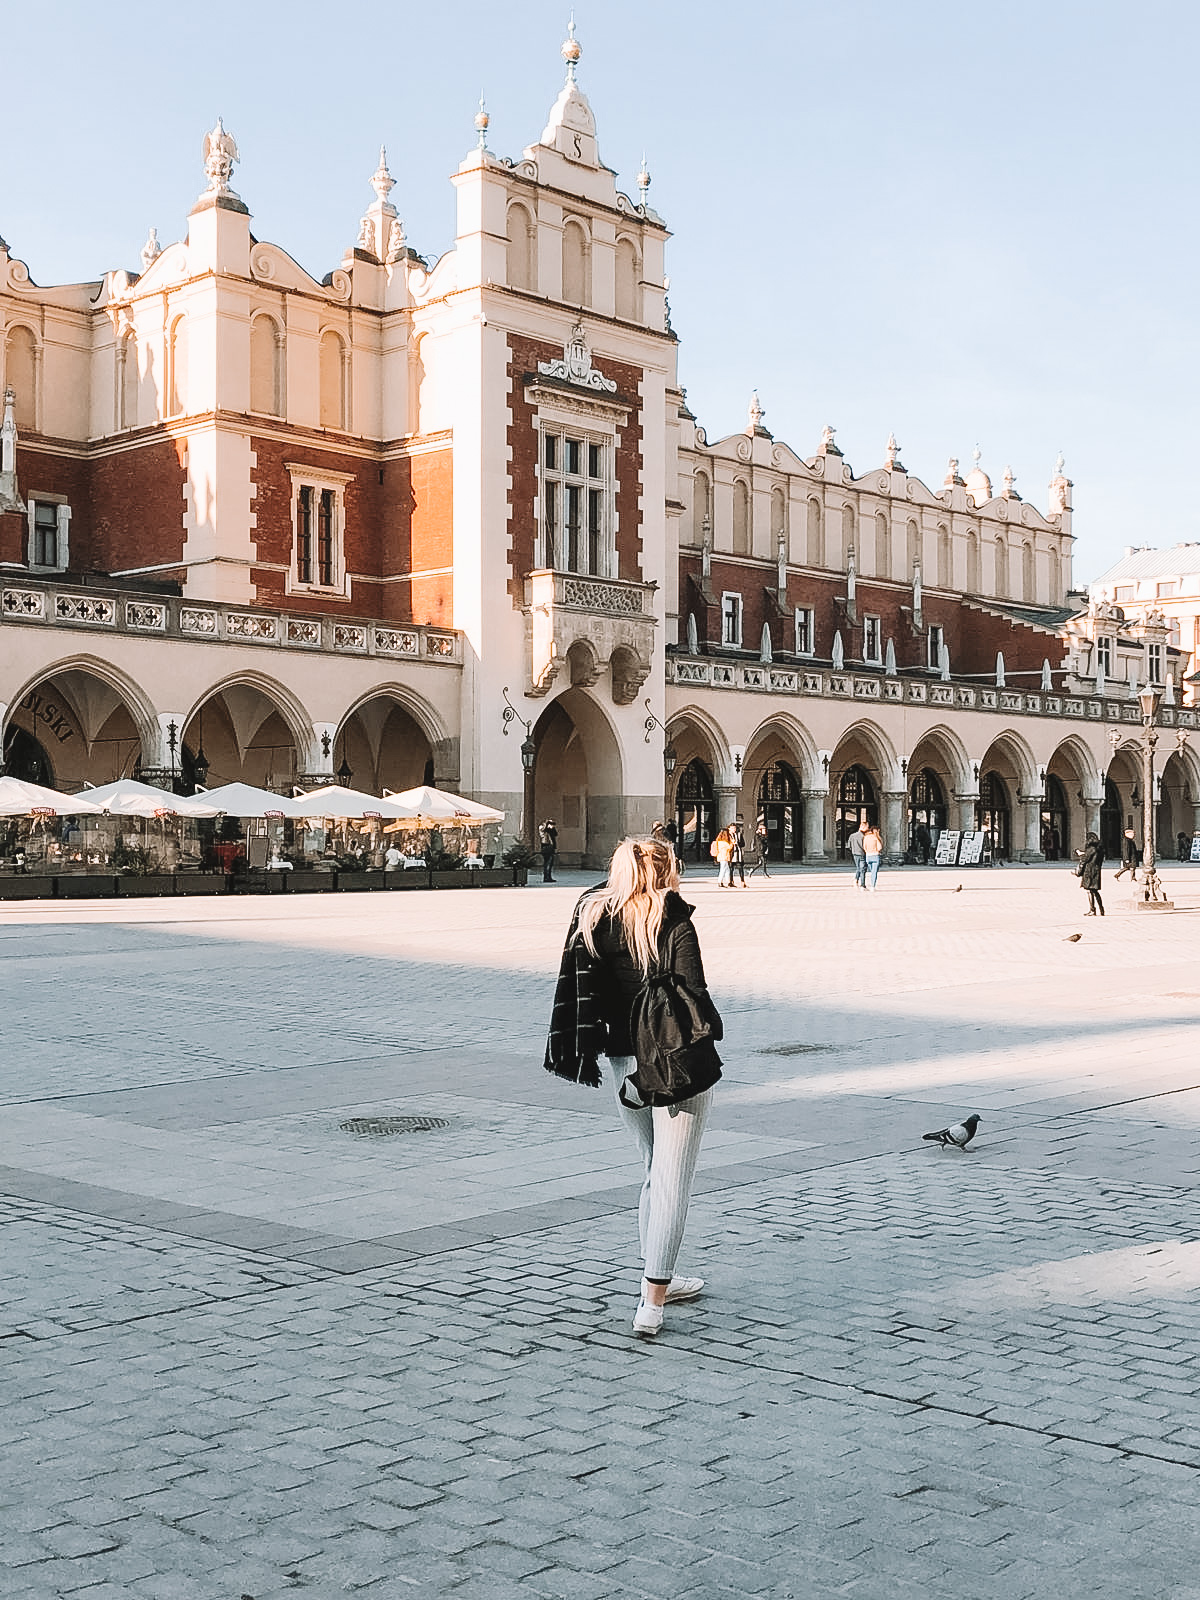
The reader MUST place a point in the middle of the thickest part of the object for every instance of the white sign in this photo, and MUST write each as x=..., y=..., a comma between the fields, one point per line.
x=972, y=849
x=1195, y=855
x=947, y=847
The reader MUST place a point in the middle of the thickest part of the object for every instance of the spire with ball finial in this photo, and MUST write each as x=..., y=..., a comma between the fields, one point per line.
x=571, y=50
x=643, y=182
x=482, y=123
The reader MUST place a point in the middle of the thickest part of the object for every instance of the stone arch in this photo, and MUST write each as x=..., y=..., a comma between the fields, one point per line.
x=22, y=361
x=177, y=367
x=242, y=746
x=849, y=524
x=816, y=533
x=742, y=533
x=973, y=580
x=1028, y=573
x=332, y=365
x=126, y=381
x=391, y=739
x=579, y=780
x=423, y=714
x=576, y=263
x=266, y=365
x=522, y=247
x=945, y=558
x=701, y=507
x=628, y=269
x=1001, y=583
x=952, y=753
x=1012, y=747
x=60, y=709
x=694, y=732
x=914, y=550
x=1009, y=777
x=883, y=545
x=779, y=520
x=799, y=749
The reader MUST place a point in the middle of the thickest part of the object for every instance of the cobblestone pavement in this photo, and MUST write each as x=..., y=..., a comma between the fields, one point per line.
x=246, y=1352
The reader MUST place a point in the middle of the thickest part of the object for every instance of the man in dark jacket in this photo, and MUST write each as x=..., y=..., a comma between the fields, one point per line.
x=1129, y=856
x=549, y=842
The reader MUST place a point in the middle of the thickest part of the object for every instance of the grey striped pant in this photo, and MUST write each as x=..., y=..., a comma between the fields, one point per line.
x=668, y=1138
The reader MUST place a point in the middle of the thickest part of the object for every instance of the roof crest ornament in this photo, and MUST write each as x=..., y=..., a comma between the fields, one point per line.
x=571, y=50
x=220, y=154
x=151, y=250
x=576, y=365
x=380, y=231
x=643, y=183
x=482, y=123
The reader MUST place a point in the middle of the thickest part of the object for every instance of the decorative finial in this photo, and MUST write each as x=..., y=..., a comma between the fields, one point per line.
x=381, y=179
x=1060, y=464
x=482, y=121
x=756, y=413
x=571, y=50
x=8, y=433
x=893, y=450
x=643, y=180
x=827, y=436
x=151, y=250
x=1009, y=479
x=977, y=456
x=220, y=153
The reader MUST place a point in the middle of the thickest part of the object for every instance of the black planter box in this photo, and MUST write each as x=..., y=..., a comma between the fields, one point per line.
x=35, y=886
x=460, y=879
x=491, y=877
x=261, y=882
x=201, y=883
x=147, y=883
x=520, y=877
x=414, y=878
x=309, y=882
x=359, y=881
x=85, y=886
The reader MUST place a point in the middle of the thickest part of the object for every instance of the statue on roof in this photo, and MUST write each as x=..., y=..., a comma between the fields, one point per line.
x=220, y=153
x=1060, y=488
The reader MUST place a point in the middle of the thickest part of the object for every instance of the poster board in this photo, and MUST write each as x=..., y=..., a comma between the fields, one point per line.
x=947, y=847
x=971, y=853
x=1195, y=855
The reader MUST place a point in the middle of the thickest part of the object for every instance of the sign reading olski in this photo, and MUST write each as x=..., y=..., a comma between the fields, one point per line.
x=45, y=712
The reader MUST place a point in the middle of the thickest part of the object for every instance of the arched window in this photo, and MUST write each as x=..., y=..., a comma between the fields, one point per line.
x=945, y=570
x=992, y=813
x=883, y=546
x=522, y=249
x=694, y=811
x=779, y=521
x=701, y=507
x=628, y=285
x=266, y=366
x=926, y=806
x=973, y=563
x=1028, y=574
x=1056, y=579
x=333, y=380
x=780, y=812
x=1001, y=585
x=741, y=519
x=21, y=374
x=1056, y=820
x=177, y=361
x=914, y=548
x=855, y=800
x=127, y=382
x=816, y=535
x=576, y=265
x=847, y=532
x=417, y=389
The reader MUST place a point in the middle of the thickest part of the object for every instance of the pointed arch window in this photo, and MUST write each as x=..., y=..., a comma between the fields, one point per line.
x=945, y=565
x=333, y=375
x=1028, y=573
x=522, y=248
x=177, y=363
x=883, y=546
x=22, y=361
x=741, y=519
x=266, y=366
x=628, y=281
x=816, y=534
x=701, y=508
x=576, y=265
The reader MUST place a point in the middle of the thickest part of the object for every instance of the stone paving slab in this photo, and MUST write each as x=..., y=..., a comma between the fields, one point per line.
x=914, y=1372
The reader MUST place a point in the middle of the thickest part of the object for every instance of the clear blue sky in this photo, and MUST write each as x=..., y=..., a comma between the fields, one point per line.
x=961, y=222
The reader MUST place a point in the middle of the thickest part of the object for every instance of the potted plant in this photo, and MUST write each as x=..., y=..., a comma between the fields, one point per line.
x=519, y=857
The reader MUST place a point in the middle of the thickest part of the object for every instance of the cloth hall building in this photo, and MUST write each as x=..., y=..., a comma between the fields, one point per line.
x=320, y=525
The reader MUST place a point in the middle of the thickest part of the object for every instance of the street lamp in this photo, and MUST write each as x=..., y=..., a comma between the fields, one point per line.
x=344, y=773
x=510, y=714
x=670, y=754
x=1153, y=897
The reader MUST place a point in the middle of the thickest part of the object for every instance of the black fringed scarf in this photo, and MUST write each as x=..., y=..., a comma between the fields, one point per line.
x=577, y=1032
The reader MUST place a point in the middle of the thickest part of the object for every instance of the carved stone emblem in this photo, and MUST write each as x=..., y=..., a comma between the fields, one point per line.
x=576, y=365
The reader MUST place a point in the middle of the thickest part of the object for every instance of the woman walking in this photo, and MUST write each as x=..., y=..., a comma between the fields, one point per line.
x=1090, y=858
x=722, y=852
x=872, y=855
x=631, y=986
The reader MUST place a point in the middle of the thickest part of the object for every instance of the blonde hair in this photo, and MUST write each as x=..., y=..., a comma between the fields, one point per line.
x=641, y=875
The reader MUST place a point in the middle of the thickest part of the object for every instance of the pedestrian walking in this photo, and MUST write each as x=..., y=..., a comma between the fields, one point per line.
x=858, y=853
x=1183, y=847
x=923, y=839
x=761, y=834
x=1090, y=858
x=737, y=858
x=721, y=851
x=1129, y=857
x=549, y=843
x=872, y=855
x=631, y=986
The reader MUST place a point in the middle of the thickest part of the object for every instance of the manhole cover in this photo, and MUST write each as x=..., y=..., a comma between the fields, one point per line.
x=384, y=1127
x=795, y=1049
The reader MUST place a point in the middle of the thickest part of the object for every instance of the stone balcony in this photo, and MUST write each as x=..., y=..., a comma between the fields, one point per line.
x=773, y=678
x=587, y=624
x=44, y=603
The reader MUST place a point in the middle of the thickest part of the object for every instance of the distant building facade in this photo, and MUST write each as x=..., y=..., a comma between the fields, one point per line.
x=308, y=526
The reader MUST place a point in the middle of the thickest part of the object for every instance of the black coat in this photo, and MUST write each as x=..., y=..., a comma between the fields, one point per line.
x=1090, y=859
x=1130, y=854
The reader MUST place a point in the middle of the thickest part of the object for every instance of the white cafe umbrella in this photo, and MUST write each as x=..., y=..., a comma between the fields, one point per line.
x=435, y=805
x=21, y=799
x=129, y=798
x=346, y=804
x=244, y=800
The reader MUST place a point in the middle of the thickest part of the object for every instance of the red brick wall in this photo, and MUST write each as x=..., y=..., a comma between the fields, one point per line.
x=429, y=491
x=137, y=509
x=972, y=637
x=524, y=355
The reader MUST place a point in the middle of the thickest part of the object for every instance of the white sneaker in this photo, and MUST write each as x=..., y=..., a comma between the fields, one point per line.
x=648, y=1320
x=684, y=1289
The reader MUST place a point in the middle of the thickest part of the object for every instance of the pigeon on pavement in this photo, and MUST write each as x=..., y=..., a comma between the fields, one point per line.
x=960, y=1133
x=1073, y=938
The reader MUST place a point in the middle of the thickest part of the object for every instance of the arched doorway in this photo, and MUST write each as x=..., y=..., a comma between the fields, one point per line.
x=855, y=801
x=780, y=807
x=1112, y=820
x=1056, y=837
x=383, y=747
x=73, y=727
x=926, y=809
x=994, y=814
x=695, y=811
x=578, y=782
x=244, y=738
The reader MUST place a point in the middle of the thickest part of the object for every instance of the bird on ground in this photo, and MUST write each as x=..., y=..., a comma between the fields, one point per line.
x=1073, y=938
x=959, y=1133
x=957, y=889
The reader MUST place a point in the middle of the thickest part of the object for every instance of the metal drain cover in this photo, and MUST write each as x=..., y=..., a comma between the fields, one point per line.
x=384, y=1127
x=795, y=1049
